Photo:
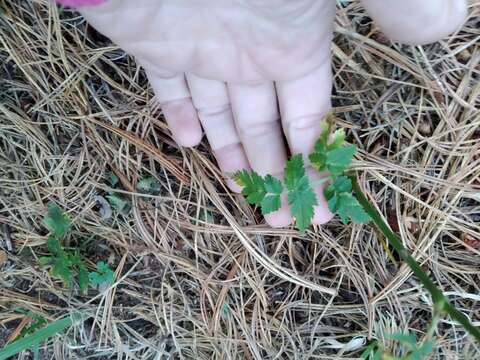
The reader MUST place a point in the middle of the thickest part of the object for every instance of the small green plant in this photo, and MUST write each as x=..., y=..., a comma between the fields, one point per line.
x=64, y=264
x=333, y=156
x=119, y=204
x=104, y=276
x=116, y=201
x=149, y=185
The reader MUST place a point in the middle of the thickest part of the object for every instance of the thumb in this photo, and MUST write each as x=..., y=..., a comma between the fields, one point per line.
x=417, y=22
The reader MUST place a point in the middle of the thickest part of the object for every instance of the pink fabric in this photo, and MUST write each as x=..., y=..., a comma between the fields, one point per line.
x=79, y=3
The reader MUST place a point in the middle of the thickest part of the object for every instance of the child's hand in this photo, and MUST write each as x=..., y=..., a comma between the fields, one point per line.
x=250, y=71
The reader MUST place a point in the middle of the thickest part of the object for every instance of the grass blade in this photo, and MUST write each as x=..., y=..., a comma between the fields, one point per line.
x=38, y=337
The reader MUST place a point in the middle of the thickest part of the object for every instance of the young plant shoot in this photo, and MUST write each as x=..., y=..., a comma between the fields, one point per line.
x=332, y=156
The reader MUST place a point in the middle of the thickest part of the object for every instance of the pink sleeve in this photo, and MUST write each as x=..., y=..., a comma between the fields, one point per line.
x=79, y=3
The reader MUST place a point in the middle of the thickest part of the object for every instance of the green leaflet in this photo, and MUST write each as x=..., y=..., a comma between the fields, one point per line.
x=338, y=160
x=335, y=157
x=119, y=204
x=301, y=197
x=331, y=154
x=272, y=201
x=103, y=276
x=56, y=221
x=64, y=264
x=262, y=191
x=149, y=185
x=341, y=201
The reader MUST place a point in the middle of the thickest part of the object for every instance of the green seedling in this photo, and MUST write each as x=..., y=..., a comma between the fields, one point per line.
x=331, y=155
x=104, y=276
x=342, y=202
x=149, y=185
x=68, y=265
x=64, y=264
x=116, y=201
x=119, y=204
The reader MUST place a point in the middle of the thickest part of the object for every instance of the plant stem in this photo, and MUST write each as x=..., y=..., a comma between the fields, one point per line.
x=437, y=295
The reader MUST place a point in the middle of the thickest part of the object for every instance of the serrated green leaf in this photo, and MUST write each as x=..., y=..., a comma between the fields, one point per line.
x=56, y=221
x=318, y=161
x=341, y=201
x=348, y=207
x=301, y=201
x=94, y=279
x=264, y=192
x=60, y=261
x=358, y=214
x=253, y=186
x=103, y=267
x=341, y=184
x=272, y=200
x=257, y=190
x=301, y=197
x=322, y=143
x=54, y=246
x=61, y=270
x=270, y=203
x=294, y=171
x=149, y=185
x=74, y=259
x=334, y=157
x=103, y=276
x=83, y=278
x=332, y=203
x=241, y=177
x=338, y=140
x=338, y=160
x=119, y=204
x=273, y=185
